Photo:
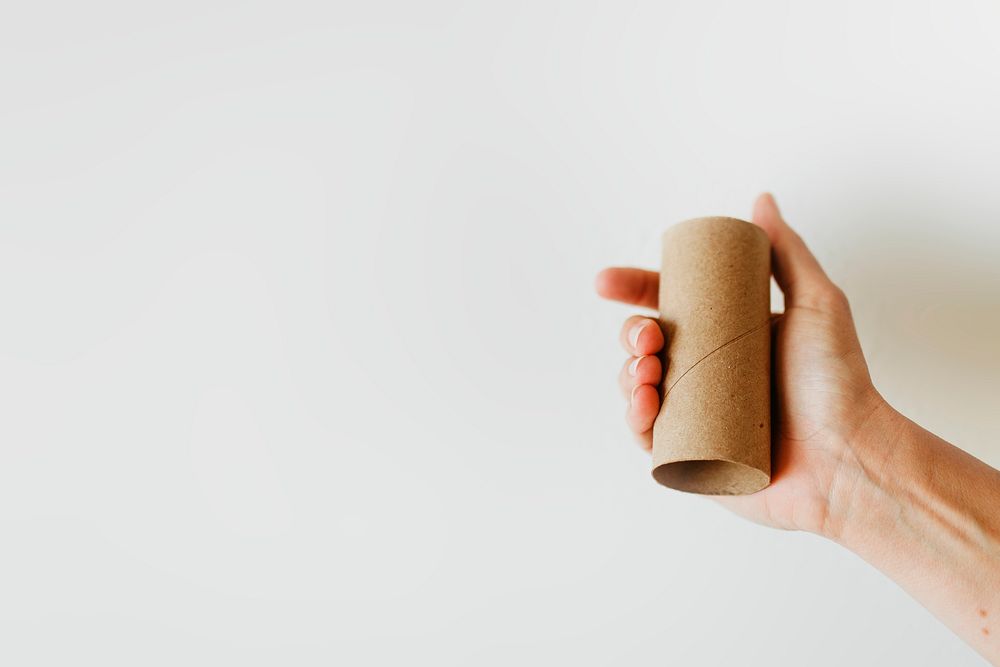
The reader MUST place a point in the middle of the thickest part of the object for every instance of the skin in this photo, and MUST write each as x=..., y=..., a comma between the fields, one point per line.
x=846, y=465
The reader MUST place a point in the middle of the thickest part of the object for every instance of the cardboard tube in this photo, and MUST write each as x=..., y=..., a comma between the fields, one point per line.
x=713, y=431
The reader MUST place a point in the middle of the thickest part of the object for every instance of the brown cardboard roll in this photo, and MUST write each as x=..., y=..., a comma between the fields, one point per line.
x=713, y=432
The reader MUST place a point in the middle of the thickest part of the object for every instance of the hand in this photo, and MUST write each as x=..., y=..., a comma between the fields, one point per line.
x=824, y=393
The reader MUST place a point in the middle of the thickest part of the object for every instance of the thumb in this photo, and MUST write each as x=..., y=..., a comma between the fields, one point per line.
x=796, y=270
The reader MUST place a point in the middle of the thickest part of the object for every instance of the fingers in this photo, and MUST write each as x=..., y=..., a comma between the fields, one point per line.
x=643, y=405
x=645, y=440
x=639, y=370
x=796, y=270
x=641, y=335
x=640, y=375
x=635, y=286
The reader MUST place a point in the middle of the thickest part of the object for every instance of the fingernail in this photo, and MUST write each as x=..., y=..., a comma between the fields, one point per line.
x=631, y=398
x=634, y=366
x=633, y=335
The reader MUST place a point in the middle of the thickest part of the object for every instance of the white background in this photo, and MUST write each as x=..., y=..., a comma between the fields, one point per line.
x=300, y=361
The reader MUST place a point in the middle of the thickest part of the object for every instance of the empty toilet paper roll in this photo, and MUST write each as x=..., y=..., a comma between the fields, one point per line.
x=713, y=432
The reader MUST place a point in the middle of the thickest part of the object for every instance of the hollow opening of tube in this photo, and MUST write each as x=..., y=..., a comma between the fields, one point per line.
x=715, y=477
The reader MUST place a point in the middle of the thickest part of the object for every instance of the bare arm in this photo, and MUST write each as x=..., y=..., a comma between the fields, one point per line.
x=926, y=514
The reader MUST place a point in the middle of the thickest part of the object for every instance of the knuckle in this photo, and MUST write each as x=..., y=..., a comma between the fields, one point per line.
x=839, y=298
x=831, y=298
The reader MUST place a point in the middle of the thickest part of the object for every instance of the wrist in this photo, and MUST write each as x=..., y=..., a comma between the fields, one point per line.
x=861, y=491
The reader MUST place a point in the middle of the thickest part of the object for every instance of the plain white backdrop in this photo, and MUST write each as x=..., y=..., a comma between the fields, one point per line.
x=300, y=361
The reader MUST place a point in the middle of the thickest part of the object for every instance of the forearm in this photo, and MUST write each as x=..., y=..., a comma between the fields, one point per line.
x=926, y=514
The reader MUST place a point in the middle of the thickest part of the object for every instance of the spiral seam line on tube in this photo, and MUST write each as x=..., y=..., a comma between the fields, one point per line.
x=718, y=349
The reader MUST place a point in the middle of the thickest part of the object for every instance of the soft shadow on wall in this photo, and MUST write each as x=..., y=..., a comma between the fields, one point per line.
x=924, y=283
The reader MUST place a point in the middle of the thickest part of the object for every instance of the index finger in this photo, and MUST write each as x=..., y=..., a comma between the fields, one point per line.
x=636, y=286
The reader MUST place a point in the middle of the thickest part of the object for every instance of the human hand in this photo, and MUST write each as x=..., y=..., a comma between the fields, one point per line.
x=825, y=397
